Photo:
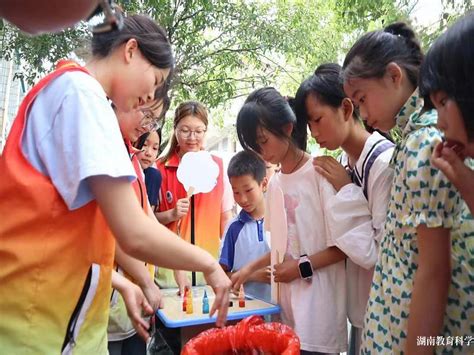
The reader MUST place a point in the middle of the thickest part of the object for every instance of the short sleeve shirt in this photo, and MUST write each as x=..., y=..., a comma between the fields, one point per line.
x=421, y=194
x=72, y=133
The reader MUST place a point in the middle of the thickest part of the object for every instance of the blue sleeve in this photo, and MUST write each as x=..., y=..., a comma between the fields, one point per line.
x=153, y=183
x=228, y=247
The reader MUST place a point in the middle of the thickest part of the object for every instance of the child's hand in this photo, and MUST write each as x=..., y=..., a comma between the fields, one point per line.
x=153, y=295
x=182, y=280
x=137, y=305
x=449, y=162
x=262, y=275
x=287, y=271
x=221, y=284
x=240, y=277
x=332, y=170
x=181, y=208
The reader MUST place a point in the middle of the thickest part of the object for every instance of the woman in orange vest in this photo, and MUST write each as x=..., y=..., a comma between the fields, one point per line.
x=123, y=338
x=65, y=187
x=212, y=210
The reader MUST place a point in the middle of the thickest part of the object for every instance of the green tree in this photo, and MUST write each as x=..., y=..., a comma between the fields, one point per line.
x=223, y=49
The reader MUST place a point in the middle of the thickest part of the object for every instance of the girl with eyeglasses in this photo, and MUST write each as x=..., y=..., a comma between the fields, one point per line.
x=62, y=216
x=212, y=210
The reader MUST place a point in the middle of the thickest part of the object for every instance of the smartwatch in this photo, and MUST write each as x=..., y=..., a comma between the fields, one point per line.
x=305, y=267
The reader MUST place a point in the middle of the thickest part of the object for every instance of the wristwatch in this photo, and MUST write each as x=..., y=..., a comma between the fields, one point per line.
x=305, y=267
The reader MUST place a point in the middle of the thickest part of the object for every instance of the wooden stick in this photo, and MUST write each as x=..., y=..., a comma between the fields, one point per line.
x=190, y=192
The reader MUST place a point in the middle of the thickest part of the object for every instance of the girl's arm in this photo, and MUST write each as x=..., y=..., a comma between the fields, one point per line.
x=140, y=274
x=431, y=284
x=135, y=302
x=148, y=240
x=359, y=241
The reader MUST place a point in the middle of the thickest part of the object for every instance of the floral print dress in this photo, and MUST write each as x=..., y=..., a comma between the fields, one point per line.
x=420, y=194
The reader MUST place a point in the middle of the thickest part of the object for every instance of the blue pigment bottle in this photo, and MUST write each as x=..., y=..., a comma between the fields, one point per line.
x=205, y=303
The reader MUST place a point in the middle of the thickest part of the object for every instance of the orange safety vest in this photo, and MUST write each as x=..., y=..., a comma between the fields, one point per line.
x=55, y=264
x=207, y=213
x=120, y=326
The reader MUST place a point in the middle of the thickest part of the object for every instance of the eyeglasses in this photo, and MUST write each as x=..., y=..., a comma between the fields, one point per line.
x=113, y=17
x=187, y=133
x=149, y=121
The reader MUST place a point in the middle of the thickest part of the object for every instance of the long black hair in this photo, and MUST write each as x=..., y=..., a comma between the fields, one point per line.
x=370, y=55
x=151, y=38
x=449, y=67
x=325, y=84
x=268, y=109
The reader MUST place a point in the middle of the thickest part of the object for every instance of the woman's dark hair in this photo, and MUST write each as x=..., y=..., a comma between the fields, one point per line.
x=449, y=67
x=185, y=109
x=142, y=139
x=370, y=55
x=151, y=38
x=247, y=162
x=266, y=108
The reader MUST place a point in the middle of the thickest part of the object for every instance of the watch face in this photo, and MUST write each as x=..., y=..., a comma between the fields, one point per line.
x=305, y=269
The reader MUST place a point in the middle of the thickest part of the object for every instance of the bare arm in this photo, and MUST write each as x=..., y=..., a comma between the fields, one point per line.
x=148, y=240
x=431, y=285
x=135, y=303
x=326, y=257
x=288, y=270
x=245, y=273
x=141, y=276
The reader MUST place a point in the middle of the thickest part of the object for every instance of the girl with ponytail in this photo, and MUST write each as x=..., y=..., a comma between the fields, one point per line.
x=421, y=283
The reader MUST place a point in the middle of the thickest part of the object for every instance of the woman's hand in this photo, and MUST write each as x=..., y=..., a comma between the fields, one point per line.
x=220, y=283
x=137, y=306
x=287, y=271
x=332, y=170
x=153, y=295
x=181, y=209
x=182, y=281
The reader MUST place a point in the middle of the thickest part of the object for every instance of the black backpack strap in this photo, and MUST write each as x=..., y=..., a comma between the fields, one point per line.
x=378, y=148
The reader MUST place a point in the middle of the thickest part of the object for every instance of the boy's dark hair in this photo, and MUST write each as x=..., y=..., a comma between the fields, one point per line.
x=449, y=67
x=247, y=162
x=266, y=108
x=370, y=55
x=152, y=41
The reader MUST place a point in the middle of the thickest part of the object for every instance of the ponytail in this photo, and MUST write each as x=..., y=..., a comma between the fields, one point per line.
x=370, y=55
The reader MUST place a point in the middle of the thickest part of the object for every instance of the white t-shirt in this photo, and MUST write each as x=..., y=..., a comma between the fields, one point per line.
x=72, y=133
x=316, y=310
x=361, y=243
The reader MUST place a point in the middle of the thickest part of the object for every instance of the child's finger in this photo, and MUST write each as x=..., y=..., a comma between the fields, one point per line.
x=322, y=171
x=437, y=150
x=143, y=331
x=146, y=307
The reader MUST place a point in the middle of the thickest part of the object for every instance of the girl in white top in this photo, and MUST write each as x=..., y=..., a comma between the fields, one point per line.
x=315, y=306
x=362, y=194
